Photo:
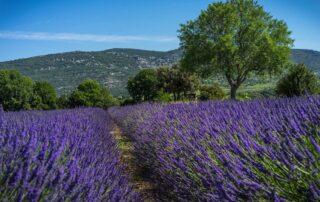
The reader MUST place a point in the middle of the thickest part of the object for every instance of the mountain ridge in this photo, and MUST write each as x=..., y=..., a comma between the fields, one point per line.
x=82, y=51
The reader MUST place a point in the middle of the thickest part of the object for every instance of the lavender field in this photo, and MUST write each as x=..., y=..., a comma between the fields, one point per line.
x=263, y=150
x=160, y=101
x=266, y=150
x=66, y=155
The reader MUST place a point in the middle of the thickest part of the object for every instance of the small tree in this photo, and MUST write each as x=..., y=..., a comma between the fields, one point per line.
x=236, y=39
x=15, y=90
x=44, y=96
x=143, y=86
x=177, y=82
x=213, y=92
x=298, y=81
x=166, y=77
x=91, y=94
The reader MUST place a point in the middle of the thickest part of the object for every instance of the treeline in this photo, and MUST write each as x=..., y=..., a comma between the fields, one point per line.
x=19, y=92
x=174, y=84
x=167, y=84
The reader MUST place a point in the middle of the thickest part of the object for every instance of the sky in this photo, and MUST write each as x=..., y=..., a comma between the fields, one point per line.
x=38, y=27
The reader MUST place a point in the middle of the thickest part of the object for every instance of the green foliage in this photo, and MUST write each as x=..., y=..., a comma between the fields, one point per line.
x=244, y=96
x=127, y=101
x=163, y=97
x=63, y=102
x=298, y=81
x=158, y=85
x=143, y=86
x=18, y=92
x=91, y=94
x=177, y=82
x=236, y=39
x=15, y=90
x=212, y=92
x=44, y=96
x=161, y=84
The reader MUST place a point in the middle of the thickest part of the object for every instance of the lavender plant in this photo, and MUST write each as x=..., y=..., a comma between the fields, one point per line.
x=264, y=150
x=66, y=155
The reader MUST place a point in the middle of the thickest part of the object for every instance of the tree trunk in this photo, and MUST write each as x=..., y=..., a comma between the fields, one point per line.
x=233, y=92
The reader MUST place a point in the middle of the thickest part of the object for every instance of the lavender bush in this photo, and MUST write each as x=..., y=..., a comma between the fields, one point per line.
x=66, y=155
x=267, y=150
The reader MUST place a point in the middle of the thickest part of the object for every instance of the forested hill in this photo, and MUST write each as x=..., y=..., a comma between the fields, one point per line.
x=110, y=67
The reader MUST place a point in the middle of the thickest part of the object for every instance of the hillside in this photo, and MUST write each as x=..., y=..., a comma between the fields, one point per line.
x=111, y=67
x=309, y=57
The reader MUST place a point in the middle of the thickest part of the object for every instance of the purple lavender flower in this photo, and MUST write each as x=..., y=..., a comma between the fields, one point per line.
x=61, y=155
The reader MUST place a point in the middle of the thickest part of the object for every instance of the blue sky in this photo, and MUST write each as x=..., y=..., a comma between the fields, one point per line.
x=38, y=27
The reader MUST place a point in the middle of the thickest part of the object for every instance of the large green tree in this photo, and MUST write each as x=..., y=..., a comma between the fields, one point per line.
x=91, y=94
x=237, y=39
x=143, y=86
x=44, y=96
x=15, y=90
x=299, y=80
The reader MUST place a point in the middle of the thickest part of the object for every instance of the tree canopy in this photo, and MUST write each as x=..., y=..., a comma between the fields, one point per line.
x=161, y=84
x=15, y=90
x=91, y=94
x=44, y=96
x=18, y=92
x=237, y=39
x=177, y=82
x=298, y=81
x=143, y=86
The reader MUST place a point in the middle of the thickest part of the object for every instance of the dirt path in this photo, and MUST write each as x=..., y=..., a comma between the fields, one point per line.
x=140, y=183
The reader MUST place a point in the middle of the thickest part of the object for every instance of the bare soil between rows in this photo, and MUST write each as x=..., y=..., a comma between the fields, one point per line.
x=139, y=180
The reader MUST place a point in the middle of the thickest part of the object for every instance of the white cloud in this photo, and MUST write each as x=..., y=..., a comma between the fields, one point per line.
x=45, y=36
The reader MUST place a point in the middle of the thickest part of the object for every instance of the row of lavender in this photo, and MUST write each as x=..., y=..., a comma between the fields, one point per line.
x=230, y=151
x=66, y=155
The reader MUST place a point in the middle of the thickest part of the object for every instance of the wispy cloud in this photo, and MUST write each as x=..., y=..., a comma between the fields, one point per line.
x=45, y=36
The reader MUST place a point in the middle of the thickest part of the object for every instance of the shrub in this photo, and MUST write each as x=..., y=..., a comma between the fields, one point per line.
x=298, y=81
x=163, y=97
x=213, y=92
